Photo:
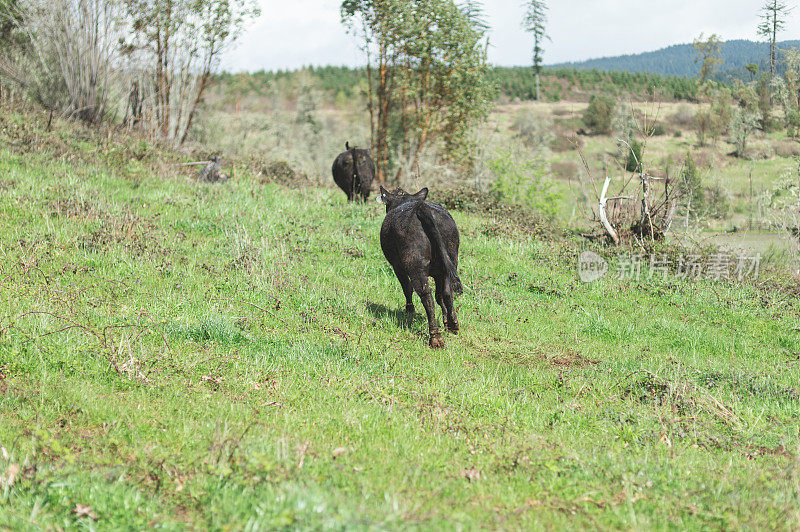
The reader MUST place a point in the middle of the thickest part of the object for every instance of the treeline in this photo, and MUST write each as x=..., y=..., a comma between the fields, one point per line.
x=342, y=83
x=679, y=60
x=569, y=83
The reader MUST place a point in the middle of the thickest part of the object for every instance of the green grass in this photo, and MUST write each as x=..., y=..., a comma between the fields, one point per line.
x=237, y=357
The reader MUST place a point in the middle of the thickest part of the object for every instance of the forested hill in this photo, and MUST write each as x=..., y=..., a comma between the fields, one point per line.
x=679, y=60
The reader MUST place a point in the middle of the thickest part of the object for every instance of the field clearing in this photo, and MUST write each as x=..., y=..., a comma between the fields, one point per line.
x=310, y=136
x=236, y=356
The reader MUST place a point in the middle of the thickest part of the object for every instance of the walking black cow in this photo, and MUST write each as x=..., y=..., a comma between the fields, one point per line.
x=353, y=170
x=420, y=240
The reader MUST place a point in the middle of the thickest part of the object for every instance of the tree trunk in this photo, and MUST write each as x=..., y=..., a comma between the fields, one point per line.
x=382, y=129
x=198, y=97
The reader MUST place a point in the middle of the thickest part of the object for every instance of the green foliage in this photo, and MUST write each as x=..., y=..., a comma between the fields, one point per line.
x=536, y=132
x=714, y=121
x=690, y=186
x=746, y=117
x=434, y=84
x=709, y=55
x=633, y=157
x=600, y=112
x=520, y=82
x=534, y=22
x=718, y=204
x=10, y=16
x=525, y=182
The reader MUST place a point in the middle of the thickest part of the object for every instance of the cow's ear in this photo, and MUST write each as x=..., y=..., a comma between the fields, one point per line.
x=421, y=195
x=384, y=195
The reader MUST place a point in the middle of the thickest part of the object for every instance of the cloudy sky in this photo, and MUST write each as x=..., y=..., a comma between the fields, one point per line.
x=294, y=33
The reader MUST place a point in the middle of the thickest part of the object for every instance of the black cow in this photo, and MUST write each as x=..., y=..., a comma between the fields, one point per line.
x=354, y=179
x=420, y=240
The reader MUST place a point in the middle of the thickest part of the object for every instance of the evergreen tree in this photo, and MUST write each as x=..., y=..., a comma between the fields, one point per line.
x=534, y=22
x=773, y=20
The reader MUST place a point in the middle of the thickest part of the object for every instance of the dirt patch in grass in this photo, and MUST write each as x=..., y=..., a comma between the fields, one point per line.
x=572, y=359
x=282, y=173
x=127, y=229
x=506, y=219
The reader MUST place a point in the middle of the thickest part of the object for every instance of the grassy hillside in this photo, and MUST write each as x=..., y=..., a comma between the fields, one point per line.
x=193, y=356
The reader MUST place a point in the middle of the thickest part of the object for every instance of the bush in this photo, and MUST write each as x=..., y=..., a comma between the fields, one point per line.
x=525, y=183
x=691, y=186
x=787, y=149
x=599, y=114
x=633, y=157
x=717, y=202
x=534, y=131
x=684, y=117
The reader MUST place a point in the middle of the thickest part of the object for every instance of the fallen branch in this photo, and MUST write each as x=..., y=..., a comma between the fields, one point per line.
x=609, y=228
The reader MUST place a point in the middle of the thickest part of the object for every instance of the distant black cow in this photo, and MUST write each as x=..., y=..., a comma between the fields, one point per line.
x=354, y=179
x=420, y=240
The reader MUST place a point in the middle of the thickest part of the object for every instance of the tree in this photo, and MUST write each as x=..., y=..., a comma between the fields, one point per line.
x=746, y=117
x=600, y=112
x=714, y=120
x=180, y=42
x=10, y=17
x=534, y=22
x=690, y=186
x=67, y=63
x=708, y=55
x=427, y=78
x=753, y=69
x=773, y=20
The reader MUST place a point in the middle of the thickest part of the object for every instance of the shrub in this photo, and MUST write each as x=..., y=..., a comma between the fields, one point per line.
x=534, y=131
x=787, y=149
x=524, y=182
x=691, y=186
x=684, y=117
x=633, y=157
x=717, y=204
x=600, y=112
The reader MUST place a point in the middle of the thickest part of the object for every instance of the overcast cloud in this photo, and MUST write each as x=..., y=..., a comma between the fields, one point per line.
x=290, y=34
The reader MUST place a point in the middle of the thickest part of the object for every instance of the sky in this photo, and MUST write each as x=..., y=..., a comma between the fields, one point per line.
x=293, y=33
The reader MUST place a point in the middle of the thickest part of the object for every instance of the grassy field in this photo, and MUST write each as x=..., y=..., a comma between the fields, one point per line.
x=178, y=355
x=309, y=131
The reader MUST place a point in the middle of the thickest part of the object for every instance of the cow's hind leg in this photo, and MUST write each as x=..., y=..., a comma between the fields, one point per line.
x=423, y=288
x=448, y=307
x=441, y=301
x=405, y=282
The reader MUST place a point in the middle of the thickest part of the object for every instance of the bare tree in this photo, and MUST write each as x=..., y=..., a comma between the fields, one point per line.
x=68, y=62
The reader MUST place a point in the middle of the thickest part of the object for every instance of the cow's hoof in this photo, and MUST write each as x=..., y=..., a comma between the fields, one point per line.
x=453, y=328
x=436, y=341
x=410, y=310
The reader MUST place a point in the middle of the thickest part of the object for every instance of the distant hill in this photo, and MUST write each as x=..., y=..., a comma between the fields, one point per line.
x=679, y=60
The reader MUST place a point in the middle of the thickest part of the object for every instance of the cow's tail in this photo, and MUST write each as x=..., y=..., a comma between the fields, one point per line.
x=425, y=216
